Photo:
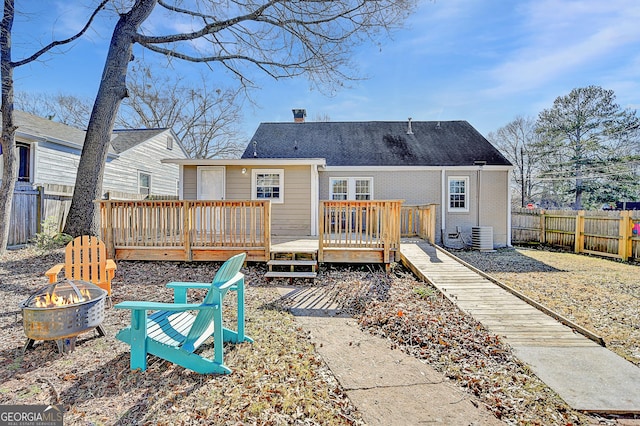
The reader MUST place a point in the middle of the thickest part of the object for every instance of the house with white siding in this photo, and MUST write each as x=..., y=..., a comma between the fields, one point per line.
x=296, y=164
x=49, y=153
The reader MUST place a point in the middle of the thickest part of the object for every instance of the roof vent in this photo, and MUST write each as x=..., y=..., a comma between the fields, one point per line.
x=299, y=114
x=255, y=153
x=409, y=131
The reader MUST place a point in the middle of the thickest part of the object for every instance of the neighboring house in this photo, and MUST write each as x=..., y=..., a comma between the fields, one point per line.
x=296, y=164
x=49, y=153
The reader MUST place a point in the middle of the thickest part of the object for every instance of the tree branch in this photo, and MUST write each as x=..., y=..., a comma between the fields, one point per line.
x=61, y=42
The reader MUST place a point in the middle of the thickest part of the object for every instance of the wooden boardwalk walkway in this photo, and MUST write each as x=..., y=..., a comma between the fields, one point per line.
x=497, y=309
x=586, y=375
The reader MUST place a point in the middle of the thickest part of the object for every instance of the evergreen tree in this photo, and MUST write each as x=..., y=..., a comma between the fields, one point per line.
x=589, y=141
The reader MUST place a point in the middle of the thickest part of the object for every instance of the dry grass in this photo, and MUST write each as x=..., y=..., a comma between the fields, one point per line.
x=599, y=294
x=279, y=379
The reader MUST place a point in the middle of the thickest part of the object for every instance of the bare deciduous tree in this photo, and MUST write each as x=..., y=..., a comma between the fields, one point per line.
x=281, y=38
x=204, y=119
x=7, y=65
x=63, y=108
x=517, y=142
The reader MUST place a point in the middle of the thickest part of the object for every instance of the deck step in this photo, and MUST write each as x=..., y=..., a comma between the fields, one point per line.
x=282, y=274
x=288, y=265
x=292, y=263
x=290, y=255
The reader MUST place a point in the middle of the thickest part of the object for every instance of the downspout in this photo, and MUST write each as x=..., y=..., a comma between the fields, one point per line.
x=478, y=183
x=480, y=164
x=315, y=199
x=181, y=180
x=509, y=208
x=444, y=204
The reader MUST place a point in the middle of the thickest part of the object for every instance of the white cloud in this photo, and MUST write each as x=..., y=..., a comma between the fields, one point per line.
x=566, y=38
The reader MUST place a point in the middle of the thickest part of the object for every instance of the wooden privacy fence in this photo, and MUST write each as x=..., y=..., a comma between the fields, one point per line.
x=359, y=231
x=418, y=221
x=186, y=230
x=31, y=206
x=25, y=215
x=613, y=234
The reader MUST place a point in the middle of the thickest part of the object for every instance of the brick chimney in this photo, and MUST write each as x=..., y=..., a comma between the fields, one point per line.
x=299, y=115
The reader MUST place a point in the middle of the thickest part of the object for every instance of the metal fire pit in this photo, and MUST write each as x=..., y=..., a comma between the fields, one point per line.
x=83, y=311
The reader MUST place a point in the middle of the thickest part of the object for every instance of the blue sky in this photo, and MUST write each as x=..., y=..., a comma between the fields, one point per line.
x=484, y=61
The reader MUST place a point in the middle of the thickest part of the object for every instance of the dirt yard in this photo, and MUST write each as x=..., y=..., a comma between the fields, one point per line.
x=280, y=379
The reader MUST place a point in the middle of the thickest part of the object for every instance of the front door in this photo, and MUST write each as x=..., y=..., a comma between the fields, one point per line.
x=211, y=183
x=210, y=187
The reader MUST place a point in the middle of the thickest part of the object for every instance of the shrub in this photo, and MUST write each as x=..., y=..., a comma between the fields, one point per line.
x=50, y=238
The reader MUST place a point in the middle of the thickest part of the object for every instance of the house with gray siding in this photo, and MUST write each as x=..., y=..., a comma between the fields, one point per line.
x=49, y=153
x=296, y=164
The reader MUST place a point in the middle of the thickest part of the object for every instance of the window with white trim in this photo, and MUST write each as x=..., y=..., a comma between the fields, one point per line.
x=351, y=188
x=144, y=183
x=458, y=194
x=339, y=189
x=24, y=161
x=268, y=184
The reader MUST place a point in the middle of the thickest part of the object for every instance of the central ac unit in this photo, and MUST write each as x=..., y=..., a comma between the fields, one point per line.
x=482, y=238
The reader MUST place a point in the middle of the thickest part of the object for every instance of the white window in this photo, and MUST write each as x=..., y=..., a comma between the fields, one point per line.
x=144, y=183
x=268, y=184
x=458, y=194
x=339, y=189
x=351, y=189
x=169, y=142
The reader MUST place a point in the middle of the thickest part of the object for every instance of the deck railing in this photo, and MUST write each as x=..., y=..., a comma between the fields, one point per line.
x=419, y=221
x=186, y=230
x=359, y=225
x=612, y=234
x=350, y=231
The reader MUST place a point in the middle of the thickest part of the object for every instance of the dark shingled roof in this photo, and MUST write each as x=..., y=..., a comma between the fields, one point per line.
x=376, y=143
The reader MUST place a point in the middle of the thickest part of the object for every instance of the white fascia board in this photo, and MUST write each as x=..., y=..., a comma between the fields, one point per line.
x=29, y=137
x=252, y=162
x=413, y=168
x=56, y=141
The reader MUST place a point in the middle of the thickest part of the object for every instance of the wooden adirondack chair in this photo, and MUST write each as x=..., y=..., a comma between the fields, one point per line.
x=86, y=259
x=173, y=333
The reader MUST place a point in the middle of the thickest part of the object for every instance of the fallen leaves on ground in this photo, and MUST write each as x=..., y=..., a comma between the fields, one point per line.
x=279, y=379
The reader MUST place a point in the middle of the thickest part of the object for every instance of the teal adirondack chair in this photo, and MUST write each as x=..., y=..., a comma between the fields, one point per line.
x=174, y=333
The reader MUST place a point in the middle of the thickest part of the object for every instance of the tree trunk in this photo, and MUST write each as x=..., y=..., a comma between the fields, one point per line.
x=83, y=216
x=9, y=160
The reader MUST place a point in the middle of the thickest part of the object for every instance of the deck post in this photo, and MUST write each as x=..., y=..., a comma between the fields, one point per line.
x=267, y=229
x=626, y=227
x=579, y=238
x=106, y=213
x=321, y=230
x=186, y=230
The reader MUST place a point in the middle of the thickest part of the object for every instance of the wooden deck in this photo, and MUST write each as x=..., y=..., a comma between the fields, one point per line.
x=520, y=322
x=214, y=230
